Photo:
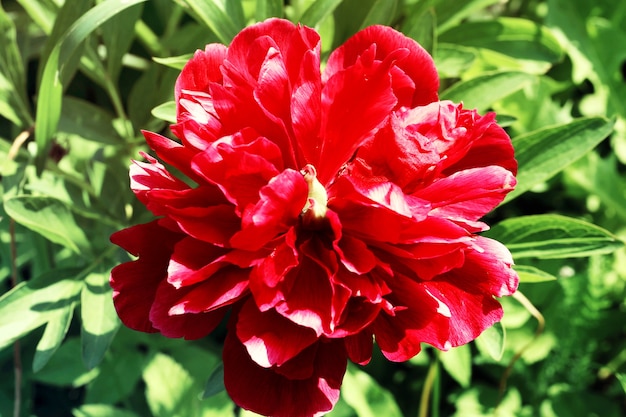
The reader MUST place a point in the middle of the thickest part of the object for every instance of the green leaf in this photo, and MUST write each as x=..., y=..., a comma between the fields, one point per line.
x=215, y=383
x=448, y=16
x=119, y=374
x=216, y=19
x=56, y=329
x=169, y=388
x=49, y=100
x=64, y=370
x=118, y=34
x=176, y=62
x=543, y=153
x=529, y=273
x=51, y=218
x=268, y=8
x=481, y=92
x=382, y=12
x=452, y=60
x=552, y=236
x=101, y=410
x=98, y=317
x=458, y=363
x=361, y=392
x=25, y=308
x=420, y=25
x=318, y=11
x=491, y=342
x=91, y=122
x=14, y=104
x=519, y=38
x=165, y=111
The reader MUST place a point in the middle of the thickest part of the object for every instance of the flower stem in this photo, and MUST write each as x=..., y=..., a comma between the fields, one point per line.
x=17, y=356
x=431, y=385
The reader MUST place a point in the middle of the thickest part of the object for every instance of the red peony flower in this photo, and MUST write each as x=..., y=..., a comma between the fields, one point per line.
x=325, y=210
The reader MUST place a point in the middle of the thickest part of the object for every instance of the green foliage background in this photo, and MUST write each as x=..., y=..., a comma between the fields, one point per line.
x=80, y=78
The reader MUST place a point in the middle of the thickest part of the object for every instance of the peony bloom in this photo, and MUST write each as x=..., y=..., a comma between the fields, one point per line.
x=323, y=210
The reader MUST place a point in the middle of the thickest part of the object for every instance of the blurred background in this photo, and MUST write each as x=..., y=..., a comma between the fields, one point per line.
x=90, y=74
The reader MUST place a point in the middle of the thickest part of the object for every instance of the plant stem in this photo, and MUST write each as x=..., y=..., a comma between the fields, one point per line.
x=431, y=384
x=17, y=356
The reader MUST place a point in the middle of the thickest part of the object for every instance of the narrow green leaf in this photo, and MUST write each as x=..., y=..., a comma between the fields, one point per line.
x=215, y=383
x=448, y=16
x=458, y=363
x=169, y=388
x=101, y=410
x=118, y=34
x=12, y=75
x=176, y=62
x=381, y=13
x=361, y=392
x=518, y=38
x=268, y=8
x=318, y=11
x=481, y=92
x=25, y=308
x=420, y=25
x=543, y=153
x=56, y=329
x=49, y=100
x=216, y=19
x=98, y=317
x=552, y=236
x=452, y=60
x=621, y=377
x=491, y=342
x=51, y=218
x=529, y=273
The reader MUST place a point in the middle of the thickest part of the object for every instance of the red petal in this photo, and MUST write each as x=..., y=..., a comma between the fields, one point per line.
x=267, y=392
x=417, y=65
x=270, y=338
x=359, y=347
x=280, y=204
x=135, y=283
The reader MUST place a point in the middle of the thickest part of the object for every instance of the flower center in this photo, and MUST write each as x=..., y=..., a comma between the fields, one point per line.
x=315, y=207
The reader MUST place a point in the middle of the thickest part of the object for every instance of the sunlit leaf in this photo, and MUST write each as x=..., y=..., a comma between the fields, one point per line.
x=25, y=308
x=56, y=329
x=529, y=273
x=268, y=8
x=216, y=19
x=318, y=11
x=98, y=318
x=366, y=396
x=543, y=153
x=551, y=236
x=165, y=111
x=169, y=388
x=51, y=218
x=79, y=117
x=176, y=62
x=118, y=34
x=101, y=410
x=64, y=370
x=481, y=92
x=382, y=12
x=491, y=342
x=458, y=363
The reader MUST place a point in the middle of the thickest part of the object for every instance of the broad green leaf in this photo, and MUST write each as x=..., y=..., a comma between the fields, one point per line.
x=88, y=121
x=519, y=38
x=64, y=370
x=119, y=374
x=268, y=8
x=458, y=363
x=448, y=16
x=169, y=388
x=216, y=19
x=101, y=410
x=382, y=12
x=215, y=383
x=318, y=11
x=420, y=25
x=49, y=100
x=56, y=329
x=51, y=218
x=552, y=236
x=25, y=308
x=543, y=153
x=165, y=111
x=14, y=104
x=529, y=273
x=452, y=60
x=176, y=62
x=366, y=396
x=98, y=317
x=491, y=342
x=481, y=92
